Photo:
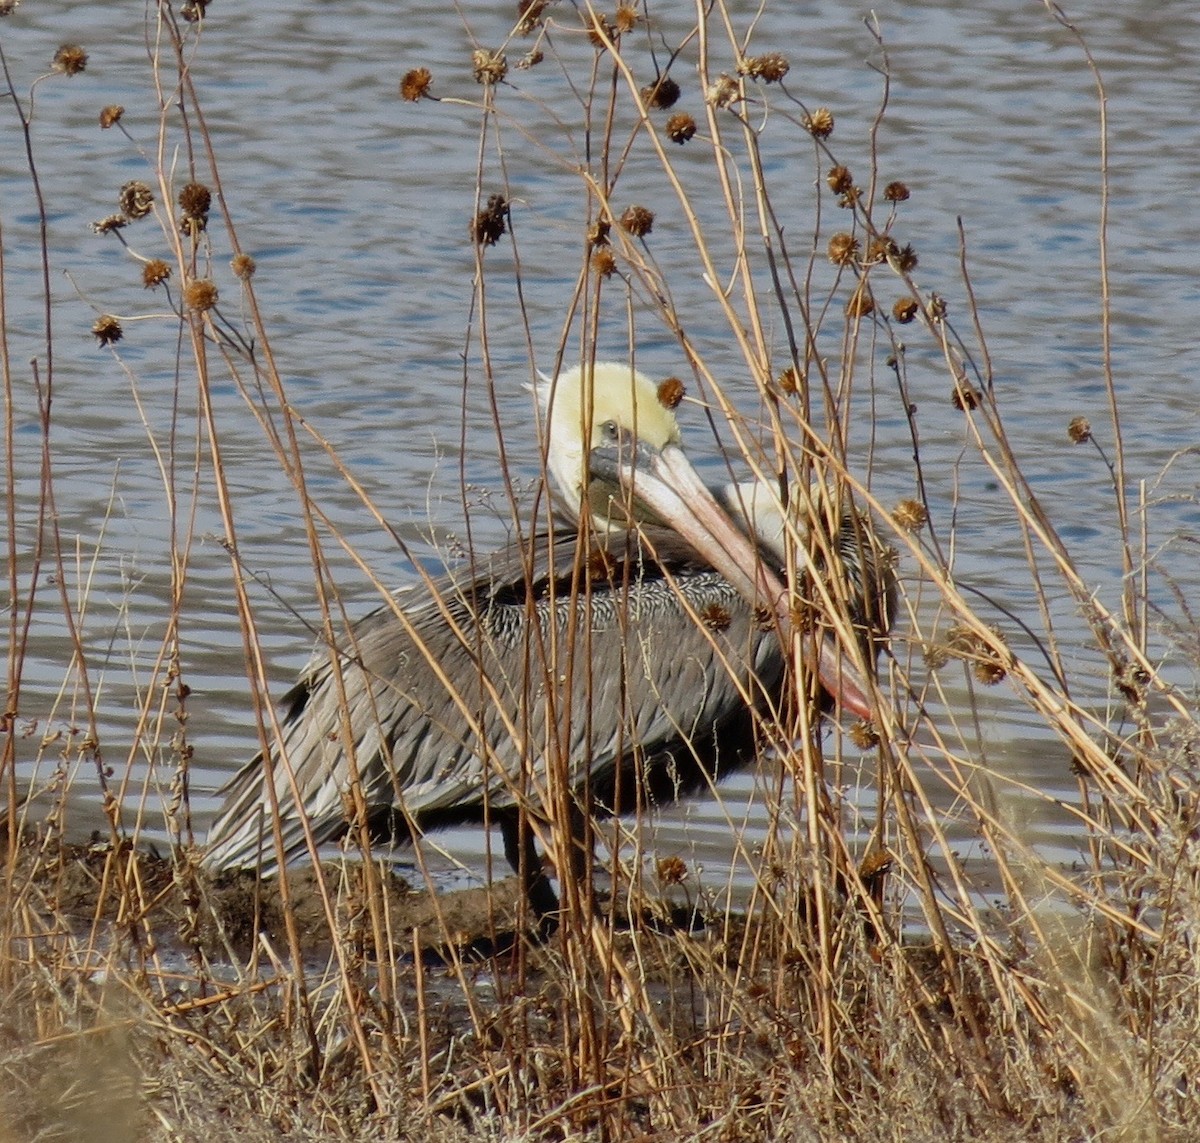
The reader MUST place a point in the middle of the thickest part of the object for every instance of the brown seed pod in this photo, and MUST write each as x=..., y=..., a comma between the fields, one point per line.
x=70, y=59
x=722, y=91
x=109, y=224
x=599, y=30
x=840, y=179
x=881, y=249
x=136, y=199
x=598, y=232
x=820, y=123
x=671, y=392
x=966, y=397
x=769, y=68
x=638, y=221
x=788, y=381
x=529, y=15
x=715, y=617
x=895, y=192
x=671, y=870
x=864, y=735
x=906, y=260
x=489, y=67
x=626, y=18
x=661, y=94
x=415, y=84
x=195, y=200
x=905, y=309
x=107, y=330
x=843, y=249
x=680, y=128
x=154, y=273
x=489, y=225
x=194, y=11
x=243, y=267
x=200, y=295
x=910, y=515
x=861, y=304
x=110, y=115
x=603, y=262
x=1079, y=431
x=936, y=309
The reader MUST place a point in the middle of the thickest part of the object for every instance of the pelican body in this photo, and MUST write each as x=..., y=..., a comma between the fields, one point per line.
x=630, y=650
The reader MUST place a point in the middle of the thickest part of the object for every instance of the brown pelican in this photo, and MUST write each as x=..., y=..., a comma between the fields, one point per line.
x=634, y=647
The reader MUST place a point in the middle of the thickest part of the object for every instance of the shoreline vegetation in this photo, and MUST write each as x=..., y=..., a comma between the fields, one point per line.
x=873, y=985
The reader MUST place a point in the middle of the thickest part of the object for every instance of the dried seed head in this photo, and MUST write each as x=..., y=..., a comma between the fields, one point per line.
x=194, y=10
x=936, y=308
x=529, y=15
x=671, y=870
x=680, y=128
x=111, y=114
x=895, y=192
x=598, y=31
x=200, y=295
x=661, y=94
x=715, y=617
x=840, y=179
x=107, y=329
x=936, y=656
x=109, y=224
x=671, y=392
x=1079, y=431
x=600, y=566
x=154, y=273
x=626, y=18
x=136, y=199
x=598, y=232
x=489, y=67
x=70, y=59
x=489, y=225
x=989, y=671
x=603, y=262
x=843, y=249
x=905, y=309
x=864, y=735
x=966, y=397
x=906, y=260
x=415, y=84
x=850, y=199
x=193, y=226
x=531, y=58
x=195, y=200
x=880, y=249
x=722, y=91
x=820, y=123
x=788, y=381
x=861, y=304
x=770, y=68
x=910, y=515
x=243, y=267
x=638, y=221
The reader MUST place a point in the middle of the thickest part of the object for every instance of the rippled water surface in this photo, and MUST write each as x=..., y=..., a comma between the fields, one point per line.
x=355, y=206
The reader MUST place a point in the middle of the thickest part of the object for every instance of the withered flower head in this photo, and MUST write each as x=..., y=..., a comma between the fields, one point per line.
x=966, y=396
x=861, y=304
x=661, y=94
x=905, y=309
x=850, y=198
x=490, y=67
x=110, y=115
x=603, y=262
x=191, y=226
x=843, y=249
x=670, y=393
x=601, y=567
x=715, y=617
x=638, y=221
x=671, y=870
x=598, y=232
x=200, y=294
x=906, y=260
x=194, y=10
x=722, y=91
x=680, y=127
x=531, y=58
x=109, y=224
x=195, y=200
x=529, y=15
x=1079, y=431
x=770, y=68
x=136, y=199
x=788, y=381
x=626, y=18
x=70, y=59
x=820, y=123
x=881, y=248
x=864, y=735
x=895, y=192
x=910, y=515
x=936, y=656
x=840, y=179
x=243, y=267
x=154, y=273
x=489, y=225
x=415, y=84
x=107, y=329
x=598, y=30
x=936, y=308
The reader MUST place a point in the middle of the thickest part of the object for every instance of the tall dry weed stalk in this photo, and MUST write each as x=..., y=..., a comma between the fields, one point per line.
x=867, y=984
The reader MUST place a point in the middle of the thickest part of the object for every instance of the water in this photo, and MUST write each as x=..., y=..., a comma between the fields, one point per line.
x=356, y=205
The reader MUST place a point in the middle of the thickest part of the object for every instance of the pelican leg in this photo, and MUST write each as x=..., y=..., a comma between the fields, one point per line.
x=523, y=856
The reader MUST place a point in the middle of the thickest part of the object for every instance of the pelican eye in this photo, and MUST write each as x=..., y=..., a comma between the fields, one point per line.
x=610, y=431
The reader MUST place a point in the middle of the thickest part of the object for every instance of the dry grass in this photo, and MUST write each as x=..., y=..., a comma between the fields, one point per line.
x=870, y=989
